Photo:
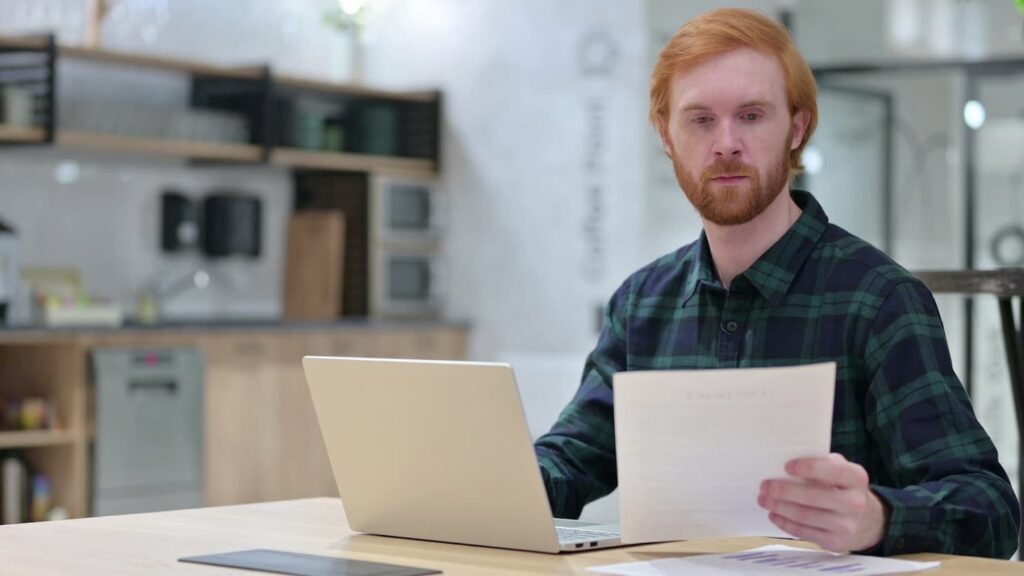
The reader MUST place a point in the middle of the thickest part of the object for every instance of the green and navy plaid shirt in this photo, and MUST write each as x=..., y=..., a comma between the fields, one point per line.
x=818, y=294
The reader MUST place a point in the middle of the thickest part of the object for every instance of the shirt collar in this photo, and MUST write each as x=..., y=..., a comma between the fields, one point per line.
x=772, y=273
x=704, y=270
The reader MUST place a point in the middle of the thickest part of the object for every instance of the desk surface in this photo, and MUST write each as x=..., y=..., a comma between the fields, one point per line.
x=152, y=543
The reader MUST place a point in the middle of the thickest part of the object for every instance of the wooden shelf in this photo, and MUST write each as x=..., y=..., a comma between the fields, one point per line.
x=297, y=158
x=35, y=438
x=289, y=157
x=25, y=42
x=56, y=371
x=23, y=134
x=353, y=89
x=178, y=148
x=418, y=108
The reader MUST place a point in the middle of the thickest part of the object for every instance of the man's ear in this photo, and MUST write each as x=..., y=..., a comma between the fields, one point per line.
x=666, y=143
x=800, y=121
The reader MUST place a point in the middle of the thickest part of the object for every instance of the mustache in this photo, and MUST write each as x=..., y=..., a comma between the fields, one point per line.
x=728, y=168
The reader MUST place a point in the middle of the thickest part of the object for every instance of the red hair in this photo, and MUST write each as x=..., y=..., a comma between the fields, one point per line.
x=720, y=31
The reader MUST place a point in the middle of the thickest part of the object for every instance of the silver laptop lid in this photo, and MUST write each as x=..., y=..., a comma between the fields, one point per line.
x=431, y=450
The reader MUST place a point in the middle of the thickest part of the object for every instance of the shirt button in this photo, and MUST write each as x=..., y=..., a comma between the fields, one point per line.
x=900, y=543
x=730, y=327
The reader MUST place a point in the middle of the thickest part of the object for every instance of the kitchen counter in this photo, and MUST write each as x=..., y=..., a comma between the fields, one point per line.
x=213, y=325
x=261, y=439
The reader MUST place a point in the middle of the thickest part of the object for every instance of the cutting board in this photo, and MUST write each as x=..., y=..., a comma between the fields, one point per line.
x=314, y=263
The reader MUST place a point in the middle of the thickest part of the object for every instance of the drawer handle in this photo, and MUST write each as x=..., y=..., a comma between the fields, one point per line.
x=168, y=386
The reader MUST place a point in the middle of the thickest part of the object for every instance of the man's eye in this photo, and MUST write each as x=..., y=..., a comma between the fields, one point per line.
x=702, y=120
x=751, y=116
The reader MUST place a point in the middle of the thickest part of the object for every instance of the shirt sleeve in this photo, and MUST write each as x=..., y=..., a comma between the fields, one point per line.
x=577, y=457
x=945, y=488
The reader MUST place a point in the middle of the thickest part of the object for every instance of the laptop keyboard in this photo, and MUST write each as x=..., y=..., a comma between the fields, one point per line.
x=568, y=535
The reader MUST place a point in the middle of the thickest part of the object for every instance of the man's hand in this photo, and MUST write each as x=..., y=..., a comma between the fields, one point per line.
x=830, y=505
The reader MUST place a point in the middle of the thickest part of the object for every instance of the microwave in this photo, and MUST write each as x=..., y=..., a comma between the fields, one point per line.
x=407, y=282
x=406, y=209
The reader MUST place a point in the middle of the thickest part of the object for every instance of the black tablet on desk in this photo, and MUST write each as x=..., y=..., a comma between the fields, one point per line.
x=280, y=562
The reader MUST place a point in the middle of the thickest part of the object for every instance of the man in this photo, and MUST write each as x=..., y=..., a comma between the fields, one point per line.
x=770, y=282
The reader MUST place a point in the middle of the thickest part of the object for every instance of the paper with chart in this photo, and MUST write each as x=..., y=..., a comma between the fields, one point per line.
x=693, y=446
x=775, y=559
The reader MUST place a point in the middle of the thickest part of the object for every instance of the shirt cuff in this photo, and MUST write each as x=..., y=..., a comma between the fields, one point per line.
x=908, y=529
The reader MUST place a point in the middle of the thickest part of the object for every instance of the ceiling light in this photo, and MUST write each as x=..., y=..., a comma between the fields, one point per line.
x=351, y=7
x=974, y=114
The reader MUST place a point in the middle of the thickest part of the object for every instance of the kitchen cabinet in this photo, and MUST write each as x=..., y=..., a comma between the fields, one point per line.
x=261, y=439
x=263, y=442
x=55, y=371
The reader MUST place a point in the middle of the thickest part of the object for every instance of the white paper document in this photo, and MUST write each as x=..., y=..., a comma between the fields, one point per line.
x=693, y=446
x=774, y=559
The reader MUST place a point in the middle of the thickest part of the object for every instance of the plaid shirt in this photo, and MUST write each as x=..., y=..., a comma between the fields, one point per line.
x=818, y=294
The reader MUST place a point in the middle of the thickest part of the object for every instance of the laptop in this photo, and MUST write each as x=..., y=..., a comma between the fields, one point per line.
x=438, y=451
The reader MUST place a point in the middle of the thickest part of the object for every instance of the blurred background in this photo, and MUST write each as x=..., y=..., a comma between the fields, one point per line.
x=195, y=194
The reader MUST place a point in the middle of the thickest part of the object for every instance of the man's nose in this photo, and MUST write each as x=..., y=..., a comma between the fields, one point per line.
x=727, y=143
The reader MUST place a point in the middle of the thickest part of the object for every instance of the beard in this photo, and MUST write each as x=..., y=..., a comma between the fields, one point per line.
x=734, y=204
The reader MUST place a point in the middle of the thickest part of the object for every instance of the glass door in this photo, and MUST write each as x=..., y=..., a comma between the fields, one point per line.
x=994, y=119
x=849, y=161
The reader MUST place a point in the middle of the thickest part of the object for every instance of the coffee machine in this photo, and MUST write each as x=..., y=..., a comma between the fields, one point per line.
x=10, y=270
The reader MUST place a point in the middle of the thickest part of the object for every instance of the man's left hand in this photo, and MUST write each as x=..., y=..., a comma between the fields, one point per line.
x=831, y=504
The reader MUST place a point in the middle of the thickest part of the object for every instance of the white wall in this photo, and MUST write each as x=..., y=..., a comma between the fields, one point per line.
x=528, y=137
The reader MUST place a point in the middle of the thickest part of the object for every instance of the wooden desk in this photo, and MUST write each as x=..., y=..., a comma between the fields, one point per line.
x=152, y=543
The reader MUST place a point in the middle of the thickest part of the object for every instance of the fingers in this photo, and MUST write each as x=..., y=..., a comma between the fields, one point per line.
x=826, y=502
x=843, y=521
x=807, y=515
x=813, y=495
x=832, y=470
x=825, y=539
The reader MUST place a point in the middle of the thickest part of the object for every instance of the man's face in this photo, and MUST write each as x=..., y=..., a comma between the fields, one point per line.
x=729, y=133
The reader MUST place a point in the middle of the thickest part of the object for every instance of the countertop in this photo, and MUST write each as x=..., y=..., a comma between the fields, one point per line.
x=217, y=326
x=152, y=544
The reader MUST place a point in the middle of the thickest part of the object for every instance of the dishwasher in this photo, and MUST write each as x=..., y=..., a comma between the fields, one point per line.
x=147, y=453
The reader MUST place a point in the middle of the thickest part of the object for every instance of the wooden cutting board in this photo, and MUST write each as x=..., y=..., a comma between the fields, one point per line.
x=314, y=263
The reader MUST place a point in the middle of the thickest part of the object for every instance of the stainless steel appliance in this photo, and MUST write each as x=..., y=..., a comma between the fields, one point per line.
x=148, y=450
x=407, y=210
x=408, y=271
x=407, y=282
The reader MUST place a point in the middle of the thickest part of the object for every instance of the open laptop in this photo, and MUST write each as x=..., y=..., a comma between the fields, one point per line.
x=438, y=451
